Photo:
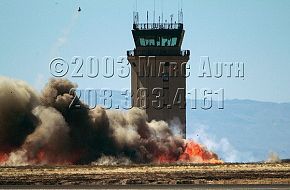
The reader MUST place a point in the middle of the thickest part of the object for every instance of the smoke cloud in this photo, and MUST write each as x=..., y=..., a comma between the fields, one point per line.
x=45, y=129
x=273, y=157
x=17, y=101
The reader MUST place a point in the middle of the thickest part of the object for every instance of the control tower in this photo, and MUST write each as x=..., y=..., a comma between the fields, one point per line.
x=158, y=70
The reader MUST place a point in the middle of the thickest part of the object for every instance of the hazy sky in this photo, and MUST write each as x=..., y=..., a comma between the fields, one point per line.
x=256, y=32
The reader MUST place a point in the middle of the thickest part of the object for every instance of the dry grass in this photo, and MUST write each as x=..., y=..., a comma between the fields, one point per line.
x=254, y=173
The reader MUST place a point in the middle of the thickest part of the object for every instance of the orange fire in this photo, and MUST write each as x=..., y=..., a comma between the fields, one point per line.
x=44, y=157
x=4, y=153
x=3, y=157
x=194, y=153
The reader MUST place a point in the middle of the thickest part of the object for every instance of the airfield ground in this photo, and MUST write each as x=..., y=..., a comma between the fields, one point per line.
x=251, y=173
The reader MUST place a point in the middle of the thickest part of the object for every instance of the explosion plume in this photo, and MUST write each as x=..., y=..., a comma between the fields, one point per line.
x=44, y=129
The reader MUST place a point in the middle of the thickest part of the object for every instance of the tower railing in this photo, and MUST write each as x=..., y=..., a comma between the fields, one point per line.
x=154, y=26
x=132, y=53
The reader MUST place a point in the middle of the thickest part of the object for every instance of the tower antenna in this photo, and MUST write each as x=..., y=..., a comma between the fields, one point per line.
x=147, y=19
x=154, y=13
x=135, y=14
x=162, y=11
x=181, y=13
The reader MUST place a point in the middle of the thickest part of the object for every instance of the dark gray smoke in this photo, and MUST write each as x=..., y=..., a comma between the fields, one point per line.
x=17, y=100
x=45, y=129
x=48, y=130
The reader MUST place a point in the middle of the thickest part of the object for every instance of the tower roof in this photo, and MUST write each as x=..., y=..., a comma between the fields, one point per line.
x=162, y=38
x=158, y=26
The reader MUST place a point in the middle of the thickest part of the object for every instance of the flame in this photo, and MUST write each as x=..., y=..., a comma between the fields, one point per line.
x=4, y=153
x=43, y=157
x=3, y=157
x=193, y=153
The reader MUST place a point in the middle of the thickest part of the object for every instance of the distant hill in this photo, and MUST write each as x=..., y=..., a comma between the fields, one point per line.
x=244, y=130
